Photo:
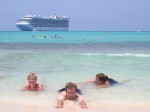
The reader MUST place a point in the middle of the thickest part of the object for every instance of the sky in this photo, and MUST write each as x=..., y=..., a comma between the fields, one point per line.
x=85, y=15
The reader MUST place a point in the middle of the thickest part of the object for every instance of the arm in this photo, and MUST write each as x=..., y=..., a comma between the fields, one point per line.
x=60, y=101
x=90, y=81
x=106, y=84
x=87, y=81
x=82, y=102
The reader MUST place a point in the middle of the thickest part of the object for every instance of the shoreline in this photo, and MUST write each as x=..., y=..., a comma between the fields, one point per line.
x=74, y=107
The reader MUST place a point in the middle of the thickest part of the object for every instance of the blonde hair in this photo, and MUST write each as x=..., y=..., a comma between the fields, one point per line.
x=32, y=75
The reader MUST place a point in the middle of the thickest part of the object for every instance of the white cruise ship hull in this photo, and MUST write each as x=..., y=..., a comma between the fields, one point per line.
x=34, y=23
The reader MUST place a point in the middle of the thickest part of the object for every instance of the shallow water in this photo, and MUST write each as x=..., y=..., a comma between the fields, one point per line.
x=77, y=57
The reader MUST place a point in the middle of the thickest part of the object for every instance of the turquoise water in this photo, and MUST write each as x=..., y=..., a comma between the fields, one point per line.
x=74, y=37
x=60, y=57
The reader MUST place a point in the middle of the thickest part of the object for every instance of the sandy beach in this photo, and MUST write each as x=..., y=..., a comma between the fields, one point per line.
x=105, y=107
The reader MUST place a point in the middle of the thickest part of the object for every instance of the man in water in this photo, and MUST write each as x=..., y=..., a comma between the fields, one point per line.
x=70, y=94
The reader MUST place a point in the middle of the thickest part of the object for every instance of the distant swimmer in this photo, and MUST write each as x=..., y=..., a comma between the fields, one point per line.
x=70, y=93
x=32, y=84
x=56, y=36
x=40, y=37
x=105, y=34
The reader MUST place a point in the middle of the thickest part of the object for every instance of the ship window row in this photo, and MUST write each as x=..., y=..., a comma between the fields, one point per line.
x=49, y=22
x=50, y=25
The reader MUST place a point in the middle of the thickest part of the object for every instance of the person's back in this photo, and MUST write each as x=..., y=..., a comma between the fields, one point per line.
x=112, y=81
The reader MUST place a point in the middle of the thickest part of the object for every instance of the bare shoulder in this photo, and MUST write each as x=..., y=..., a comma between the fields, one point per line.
x=41, y=86
x=26, y=87
x=107, y=83
x=78, y=95
x=63, y=93
x=62, y=96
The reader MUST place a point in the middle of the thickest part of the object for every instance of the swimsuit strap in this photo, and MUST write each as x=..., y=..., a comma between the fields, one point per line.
x=35, y=87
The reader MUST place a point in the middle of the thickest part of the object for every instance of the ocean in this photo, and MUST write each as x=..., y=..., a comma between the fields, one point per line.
x=75, y=56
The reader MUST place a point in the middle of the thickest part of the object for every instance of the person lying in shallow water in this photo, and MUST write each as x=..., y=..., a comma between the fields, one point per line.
x=102, y=80
x=70, y=94
x=32, y=84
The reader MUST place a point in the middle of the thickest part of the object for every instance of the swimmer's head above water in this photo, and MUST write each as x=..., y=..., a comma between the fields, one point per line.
x=101, y=77
x=70, y=89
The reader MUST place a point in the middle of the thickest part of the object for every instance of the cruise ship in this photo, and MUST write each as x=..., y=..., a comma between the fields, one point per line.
x=36, y=23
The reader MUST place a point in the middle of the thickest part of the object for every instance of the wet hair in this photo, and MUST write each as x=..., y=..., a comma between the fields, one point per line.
x=32, y=75
x=70, y=85
x=102, y=77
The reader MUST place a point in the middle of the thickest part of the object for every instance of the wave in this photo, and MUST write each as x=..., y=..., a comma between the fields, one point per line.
x=118, y=55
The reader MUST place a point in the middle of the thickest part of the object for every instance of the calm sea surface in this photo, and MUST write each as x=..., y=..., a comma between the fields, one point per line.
x=61, y=57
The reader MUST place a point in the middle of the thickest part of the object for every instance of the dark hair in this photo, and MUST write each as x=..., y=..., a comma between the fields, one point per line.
x=70, y=85
x=102, y=77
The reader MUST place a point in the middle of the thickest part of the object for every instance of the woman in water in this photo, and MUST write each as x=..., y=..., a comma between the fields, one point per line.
x=102, y=80
x=32, y=84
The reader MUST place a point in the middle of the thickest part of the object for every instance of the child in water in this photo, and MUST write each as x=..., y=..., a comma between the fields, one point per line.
x=32, y=84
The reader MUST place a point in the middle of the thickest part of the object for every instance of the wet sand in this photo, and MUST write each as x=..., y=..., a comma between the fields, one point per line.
x=74, y=107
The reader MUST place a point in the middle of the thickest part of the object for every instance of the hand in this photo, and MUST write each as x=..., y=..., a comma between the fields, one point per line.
x=59, y=104
x=83, y=104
